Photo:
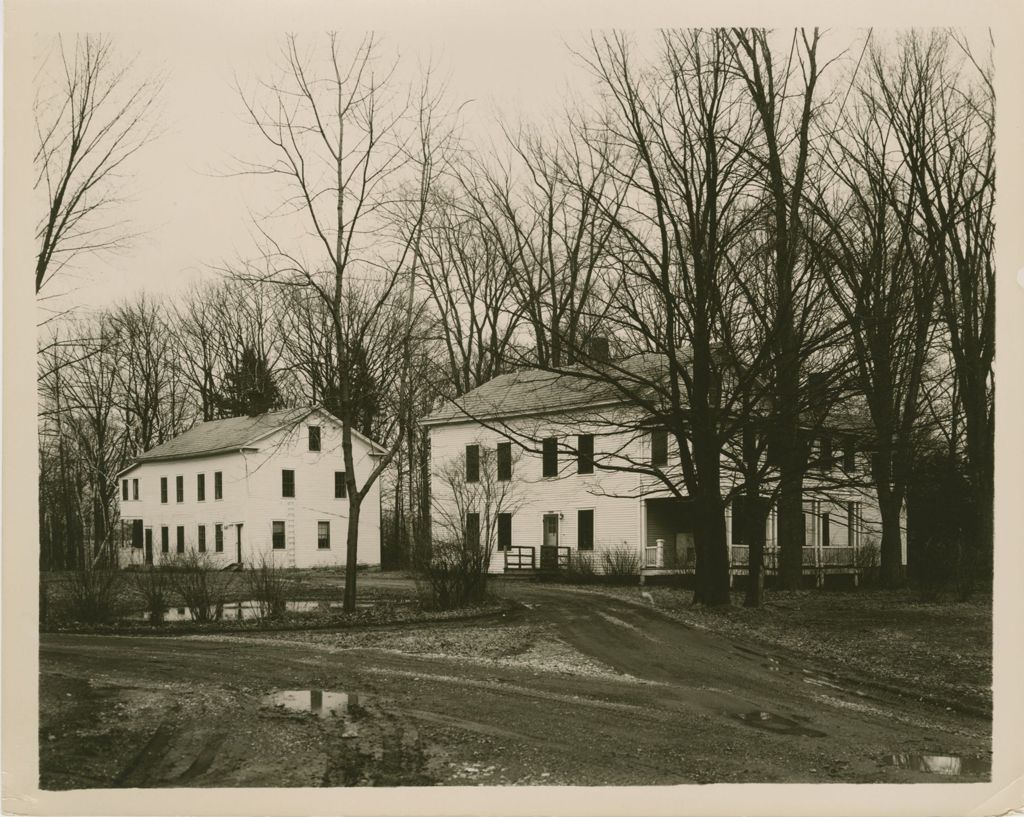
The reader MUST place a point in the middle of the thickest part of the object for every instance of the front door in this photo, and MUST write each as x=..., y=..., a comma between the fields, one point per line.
x=549, y=546
x=238, y=543
x=149, y=546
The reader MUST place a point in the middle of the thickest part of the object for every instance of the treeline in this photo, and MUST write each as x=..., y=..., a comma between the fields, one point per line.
x=792, y=233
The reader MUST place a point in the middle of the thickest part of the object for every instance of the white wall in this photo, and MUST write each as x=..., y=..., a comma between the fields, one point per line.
x=252, y=496
x=612, y=495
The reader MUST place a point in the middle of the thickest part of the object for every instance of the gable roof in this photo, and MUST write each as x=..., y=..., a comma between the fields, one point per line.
x=233, y=433
x=537, y=391
x=541, y=392
x=219, y=436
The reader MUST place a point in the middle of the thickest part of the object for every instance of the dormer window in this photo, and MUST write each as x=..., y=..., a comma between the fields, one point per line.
x=314, y=438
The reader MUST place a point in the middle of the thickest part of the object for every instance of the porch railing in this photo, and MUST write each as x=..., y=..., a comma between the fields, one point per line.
x=520, y=558
x=554, y=558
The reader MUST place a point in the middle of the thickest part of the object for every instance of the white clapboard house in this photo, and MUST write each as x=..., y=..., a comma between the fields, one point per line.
x=270, y=486
x=560, y=442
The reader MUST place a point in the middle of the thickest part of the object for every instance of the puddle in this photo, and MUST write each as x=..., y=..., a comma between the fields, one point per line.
x=770, y=722
x=246, y=610
x=322, y=703
x=942, y=764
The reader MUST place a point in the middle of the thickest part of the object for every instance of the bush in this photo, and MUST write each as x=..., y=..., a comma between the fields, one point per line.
x=94, y=595
x=621, y=564
x=581, y=567
x=154, y=587
x=866, y=559
x=267, y=586
x=450, y=575
x=195, y=578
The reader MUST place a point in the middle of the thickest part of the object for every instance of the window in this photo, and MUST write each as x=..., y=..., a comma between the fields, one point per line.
x=825, y=530
x=179, y=489
x=472, y=531
x=124, y=489
x=135, y=489
x=165, y=540
x=163, y=490
x=550, y=450
x=201, y=540
x=180, y=539
x=504, y=462
x=825, y=458
x=585, y=454
x=849, y=455
x=218, y=538
x=323, y=535
x=136, y=533
x=659, y=447
x=504, y=531
x=277, y=535
x=314, y=438
x=585, y=530
x=340, y=488
x=852, y=524
x=287, y=483
x=218, y=485
x=201, y=487
x=472, y=463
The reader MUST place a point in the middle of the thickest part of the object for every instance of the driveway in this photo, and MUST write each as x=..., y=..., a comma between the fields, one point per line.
x=573, y=688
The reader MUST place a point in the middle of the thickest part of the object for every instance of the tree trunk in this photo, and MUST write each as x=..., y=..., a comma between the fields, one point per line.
x=891, y=572
x=351, y=552
x=712, y=569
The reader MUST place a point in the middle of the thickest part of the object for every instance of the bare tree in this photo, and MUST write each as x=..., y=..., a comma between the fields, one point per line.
x=92, y=116
x=938, y=99
x=356, y=162
x=877, y=272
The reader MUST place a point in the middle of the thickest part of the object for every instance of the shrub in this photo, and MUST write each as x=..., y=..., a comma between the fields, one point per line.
x=581, y=567
x=866, y=560
x=194, y=577
x=94, y=595
x=154, y=587
x=267, y=586
x=621, y=563
x=450, y=575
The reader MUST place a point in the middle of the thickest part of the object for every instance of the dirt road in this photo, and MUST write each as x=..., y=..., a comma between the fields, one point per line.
x=575, y=688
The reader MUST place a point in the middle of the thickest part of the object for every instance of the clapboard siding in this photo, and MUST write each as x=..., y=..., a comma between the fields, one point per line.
x=616, y=497
x=611, y=495
x=253, y=497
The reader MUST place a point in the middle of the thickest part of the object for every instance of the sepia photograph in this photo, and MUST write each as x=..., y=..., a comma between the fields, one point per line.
x=575, y=407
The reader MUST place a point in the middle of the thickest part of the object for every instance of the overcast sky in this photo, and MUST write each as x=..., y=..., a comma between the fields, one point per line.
x=194, y=215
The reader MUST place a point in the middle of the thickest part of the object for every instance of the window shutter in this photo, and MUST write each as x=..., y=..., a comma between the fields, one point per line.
x=504, y=461
x=659, y=447
x=585, y=454
x=340, y=488
x=550, y=450
x=472, y=463
x=504, y=531
x=585, y=530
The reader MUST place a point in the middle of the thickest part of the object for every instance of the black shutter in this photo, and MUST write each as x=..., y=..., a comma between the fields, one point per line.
x=585, y=530
x=659, y=447
x=504, y=461
x=550, y=457
x=314, y=438
x=340, y=488
x=504, y=531
x=472, y=531
x=585, y=454
x=472, y=463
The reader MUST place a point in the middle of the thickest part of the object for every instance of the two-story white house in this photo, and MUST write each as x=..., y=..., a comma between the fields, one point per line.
x=249, y=488
x=581, y=477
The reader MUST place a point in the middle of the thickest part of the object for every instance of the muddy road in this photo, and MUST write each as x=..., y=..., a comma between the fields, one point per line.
x=572, y=688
